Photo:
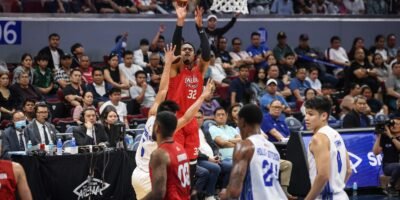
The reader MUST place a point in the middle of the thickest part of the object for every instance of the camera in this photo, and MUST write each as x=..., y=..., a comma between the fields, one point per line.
x=380, y=125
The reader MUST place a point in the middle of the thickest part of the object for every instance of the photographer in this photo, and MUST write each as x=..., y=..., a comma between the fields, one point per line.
x=388, y=143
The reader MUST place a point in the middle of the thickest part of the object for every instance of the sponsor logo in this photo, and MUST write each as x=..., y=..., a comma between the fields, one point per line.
x=91, y=187
x=355, y=161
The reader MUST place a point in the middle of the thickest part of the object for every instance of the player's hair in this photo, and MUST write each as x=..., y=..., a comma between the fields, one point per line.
x=194, y=49
x=167, y=122
x=320, y=103
x=168, y=105
x=251, y=114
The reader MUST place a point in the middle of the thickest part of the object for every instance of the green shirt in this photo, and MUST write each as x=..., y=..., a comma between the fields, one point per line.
x=42, y=80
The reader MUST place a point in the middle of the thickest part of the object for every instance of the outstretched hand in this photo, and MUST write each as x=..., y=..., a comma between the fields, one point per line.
x=209, y=88
x=181, y=10
x=169, y=54
x=199, y=16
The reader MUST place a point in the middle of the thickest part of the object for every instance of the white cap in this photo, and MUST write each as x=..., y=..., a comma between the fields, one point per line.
x=272, y=81
x=212, y=16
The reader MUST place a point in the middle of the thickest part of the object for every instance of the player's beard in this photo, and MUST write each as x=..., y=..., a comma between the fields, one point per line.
x=187, y=61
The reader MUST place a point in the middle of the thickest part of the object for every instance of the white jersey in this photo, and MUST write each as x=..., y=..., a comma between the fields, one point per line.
x=261, y=180
x=146, y=146
x=334, y=189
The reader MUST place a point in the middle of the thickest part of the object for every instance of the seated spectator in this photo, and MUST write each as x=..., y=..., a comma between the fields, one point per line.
x=208, y=107
x=283, y=84
x=304, y=49
x=142, y=55
x=86, y=69
x=356, y=118
x=239, y=57
x=223, y=57
x=43, y=78
x=154, y=70
x=392, y=86
x=387, y=144
x=114, y=76
x=273, y=124
x=108, y=118
x=375, y=105
x=28, y=107
x=272, y=95
x=62, y=74
x=336, y=54
x=299, y=84
x=282, y=49
x=337, y=7
x=142, y=93
x=77, y=51
x=309, y=93
x=128, y=68
x=53, y=51
x=225, y=136
x=239, y=88
x=73, y=92
x=391, y=47
x=327, y=91
x=99, y=88
x=319, y=7
x=379, y=47
x=271, y=60
x=288, y=68
x=146, y=6
x=87, y=102
x=358, y=42
x=39, y=131
x=302, y=7
x=348, y=101
x=115, y=100
x=397, y=59
x=376, y=7
x=282, y=7
x=24, y=90
x=108, y=6
x=257, y=51
x=259, y=84
x=380, y=68
x=233, y=118
x=90, y=132
x=26, y=66
x=7, y=100
x=218, y=74
x=312, y=78
x=126, y=6
x=14, y=138
x=354, y=7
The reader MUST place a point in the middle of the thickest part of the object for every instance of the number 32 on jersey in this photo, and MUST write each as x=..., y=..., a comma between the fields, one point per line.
x=192, y=94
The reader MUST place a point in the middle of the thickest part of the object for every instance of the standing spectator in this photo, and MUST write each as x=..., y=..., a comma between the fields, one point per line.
x=259, y=84
x=26, y=66
x=77, y=51
x=312, y=78
x=40, y=131
x=128, y=68
x=282, y=48
x=121, y=43
x=393, y=86
x=239, y=89
x=271, y=95
x=356, y=118
x=391, y=47
x=86, y=69
x=258, y=52
x=62, y=75
x=142, y=55
x=114, y=76
x=7, y=100
x=158, y=43
x=214, y=33
x=282, y=7
x=53, y=52
x=24, y=90
x=299, y=84
x=379, y=47
x=115, y=100
x=43, y=76
x=143, y=93
x=354, y=7
x=239, y=57
x=99, y=88
x=87, y=102
x=233, y=115
x=73, y=92
x=273, y=125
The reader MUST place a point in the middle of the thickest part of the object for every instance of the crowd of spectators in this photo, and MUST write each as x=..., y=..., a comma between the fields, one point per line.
x=150, y=7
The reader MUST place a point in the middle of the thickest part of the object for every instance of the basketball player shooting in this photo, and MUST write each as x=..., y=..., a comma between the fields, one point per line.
x=186, y=81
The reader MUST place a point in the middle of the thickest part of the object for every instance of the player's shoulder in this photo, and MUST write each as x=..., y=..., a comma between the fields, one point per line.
x=159, y=156
x=244, y=149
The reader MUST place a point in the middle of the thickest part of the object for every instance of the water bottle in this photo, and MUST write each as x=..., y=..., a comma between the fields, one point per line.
x=59, y=147
x=148, y=77
x=355, y=187
x=74, y=148
x=29, y=146
x=51, y=152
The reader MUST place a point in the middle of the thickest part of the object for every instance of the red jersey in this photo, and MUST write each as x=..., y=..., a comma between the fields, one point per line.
x=185, y=88
x=178, y=178
x=7, y=180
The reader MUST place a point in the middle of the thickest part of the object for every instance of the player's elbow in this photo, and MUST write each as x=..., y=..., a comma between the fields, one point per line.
x=235, y=193
x=324, y=177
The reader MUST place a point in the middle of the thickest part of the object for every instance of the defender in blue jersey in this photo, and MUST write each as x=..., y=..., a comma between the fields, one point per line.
x=255, y=168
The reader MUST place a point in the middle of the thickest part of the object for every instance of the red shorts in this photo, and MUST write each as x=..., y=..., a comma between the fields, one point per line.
x=188, y=137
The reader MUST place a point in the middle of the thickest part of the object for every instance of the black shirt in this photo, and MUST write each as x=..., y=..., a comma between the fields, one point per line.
x=69, y=90
x=390, y=153
x=114, y=74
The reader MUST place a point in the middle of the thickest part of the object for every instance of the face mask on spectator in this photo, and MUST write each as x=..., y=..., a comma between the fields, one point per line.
x=20, y=124
x=124, y=45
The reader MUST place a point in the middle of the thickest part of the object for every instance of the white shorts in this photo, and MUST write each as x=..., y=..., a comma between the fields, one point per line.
x=336, y=196
x=141, y=183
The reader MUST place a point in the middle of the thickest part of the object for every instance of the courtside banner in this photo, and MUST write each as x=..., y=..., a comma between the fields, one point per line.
x=10, y=32
x=365, y=165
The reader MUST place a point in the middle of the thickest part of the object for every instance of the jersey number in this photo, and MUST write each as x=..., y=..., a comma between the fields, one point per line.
x=192, y=94
x=271, y=173
x=183, y=174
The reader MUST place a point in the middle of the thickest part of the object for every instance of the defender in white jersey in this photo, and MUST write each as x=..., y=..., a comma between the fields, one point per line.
x=255, y=168
x=328, y=160
x=141, y=177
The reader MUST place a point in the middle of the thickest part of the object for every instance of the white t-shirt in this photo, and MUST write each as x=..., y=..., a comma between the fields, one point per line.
x=129, y=72
x=121, y=109
x=204, y=146
x=149, y=95
x=217, y=72
x=338, y=55
x=316, y=85
x=354, y=6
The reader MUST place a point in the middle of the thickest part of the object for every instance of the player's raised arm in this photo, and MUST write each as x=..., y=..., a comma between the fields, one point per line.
x=319, y=147
x=181, y=13
x=204, y=44
x=194, y=108
x=164, y=82
x=242, y=155
x=158, y=163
